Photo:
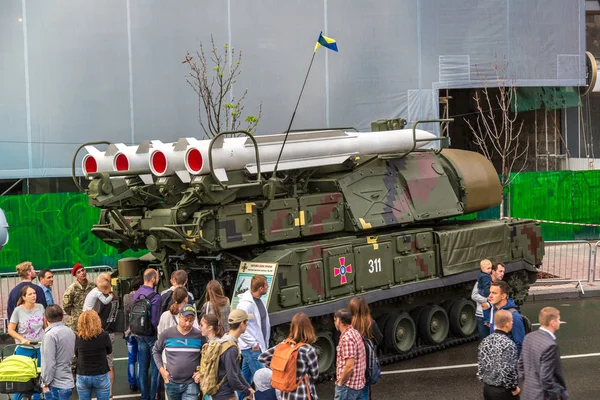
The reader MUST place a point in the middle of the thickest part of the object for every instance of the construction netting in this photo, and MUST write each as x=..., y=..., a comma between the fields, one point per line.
x=73, y=71
x=569, y=199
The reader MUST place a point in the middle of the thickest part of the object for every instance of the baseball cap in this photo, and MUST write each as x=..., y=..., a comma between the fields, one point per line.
x=236, y=316
x=188, y=309
x=75, y=268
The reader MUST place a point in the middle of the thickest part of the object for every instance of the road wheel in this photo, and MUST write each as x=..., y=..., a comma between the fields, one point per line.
x=433, y=324
x=463, y=322
x=400, y=332
x=381, y=323
x=325, y=351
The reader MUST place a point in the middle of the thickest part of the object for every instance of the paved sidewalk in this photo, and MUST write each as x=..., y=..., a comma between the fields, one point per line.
x=548, y=291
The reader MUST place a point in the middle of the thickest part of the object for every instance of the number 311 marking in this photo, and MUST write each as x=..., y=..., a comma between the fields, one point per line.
x=375, y=265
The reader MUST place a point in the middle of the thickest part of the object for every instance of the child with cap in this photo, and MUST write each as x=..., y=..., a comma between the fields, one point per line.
x=262, y=383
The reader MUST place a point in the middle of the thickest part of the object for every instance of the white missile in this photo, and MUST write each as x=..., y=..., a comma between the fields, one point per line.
x=96, y=161
x=129, y=158
x=301, y=150
x=189, y=156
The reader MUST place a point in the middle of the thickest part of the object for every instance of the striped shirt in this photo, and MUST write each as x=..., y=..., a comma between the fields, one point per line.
x=182, y=353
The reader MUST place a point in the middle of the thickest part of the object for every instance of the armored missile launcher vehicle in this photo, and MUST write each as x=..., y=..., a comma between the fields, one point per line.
x=340, y=213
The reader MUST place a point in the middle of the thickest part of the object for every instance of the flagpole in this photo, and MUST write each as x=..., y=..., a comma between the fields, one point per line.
x=294, y=113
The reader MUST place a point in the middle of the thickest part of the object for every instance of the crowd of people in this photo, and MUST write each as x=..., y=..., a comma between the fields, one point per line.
x=216, y=353
x=514, y=362
x=225, y=354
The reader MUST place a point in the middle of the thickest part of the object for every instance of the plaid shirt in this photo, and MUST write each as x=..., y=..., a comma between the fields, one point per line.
x=307, y=363
x=351, y=345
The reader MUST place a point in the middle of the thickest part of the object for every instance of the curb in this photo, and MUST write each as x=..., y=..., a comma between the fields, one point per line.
x=559, y=292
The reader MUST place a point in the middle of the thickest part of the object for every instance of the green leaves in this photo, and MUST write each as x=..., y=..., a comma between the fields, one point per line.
x=212, y=77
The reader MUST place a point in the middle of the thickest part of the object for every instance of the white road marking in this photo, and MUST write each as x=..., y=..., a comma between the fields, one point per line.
x=459, y=366
x=407, y=371
x=538, y=324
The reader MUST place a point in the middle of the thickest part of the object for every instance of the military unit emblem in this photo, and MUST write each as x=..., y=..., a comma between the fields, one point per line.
x=342, y=270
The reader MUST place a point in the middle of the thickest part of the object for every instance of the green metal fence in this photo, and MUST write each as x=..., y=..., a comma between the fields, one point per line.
x=53, y=231
x=562, y=196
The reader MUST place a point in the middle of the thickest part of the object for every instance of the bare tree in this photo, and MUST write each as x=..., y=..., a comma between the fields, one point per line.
x=496, y=131
x=212, y=79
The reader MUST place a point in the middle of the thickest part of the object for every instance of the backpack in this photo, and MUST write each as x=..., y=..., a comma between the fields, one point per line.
x=140, y=317
x=373, y=370
x=526, y=322
x=283, y=365
x=166, y=300
x=209, y=365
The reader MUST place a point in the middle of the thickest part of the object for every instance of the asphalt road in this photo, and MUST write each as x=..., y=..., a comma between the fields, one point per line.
x=450, y=374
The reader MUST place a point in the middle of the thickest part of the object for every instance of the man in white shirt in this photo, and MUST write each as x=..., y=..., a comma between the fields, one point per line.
x=255, y=340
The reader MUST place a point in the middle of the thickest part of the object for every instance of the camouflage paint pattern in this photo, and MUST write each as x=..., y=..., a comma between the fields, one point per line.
x=334, y=231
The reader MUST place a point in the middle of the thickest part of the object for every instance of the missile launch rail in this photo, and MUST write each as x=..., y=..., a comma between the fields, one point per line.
x=343, y=214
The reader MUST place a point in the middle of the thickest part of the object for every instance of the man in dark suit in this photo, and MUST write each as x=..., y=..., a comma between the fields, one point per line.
x=540, y=368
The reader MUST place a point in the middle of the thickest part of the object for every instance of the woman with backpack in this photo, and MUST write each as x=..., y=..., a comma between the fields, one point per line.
x=211, y=328
x=168, y=319
x=216, y=303
x=367, y=327
x=301, y=384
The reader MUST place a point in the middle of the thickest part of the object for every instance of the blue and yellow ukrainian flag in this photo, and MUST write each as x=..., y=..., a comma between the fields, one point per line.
x=326, y=42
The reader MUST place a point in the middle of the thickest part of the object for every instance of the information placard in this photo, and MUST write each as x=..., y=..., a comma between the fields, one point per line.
x=246, y=272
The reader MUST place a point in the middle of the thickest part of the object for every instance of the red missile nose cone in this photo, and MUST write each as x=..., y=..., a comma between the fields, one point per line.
x=159, y=162
x=90, y=165
x=121, y=162
x=194, y=160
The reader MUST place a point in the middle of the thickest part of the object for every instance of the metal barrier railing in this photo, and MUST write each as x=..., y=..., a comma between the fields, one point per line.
x=62, y=280
x=594, y=266
x=567, y=261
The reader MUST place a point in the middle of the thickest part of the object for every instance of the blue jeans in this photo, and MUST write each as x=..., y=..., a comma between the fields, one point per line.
x=98, y=383
x=145, y=361
x=58, y=393
x=345, y=393
x=132, y=355
x=364, y=393
x=483, y=330
x=31, y=353
x=182, y=391
x=250, y=365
